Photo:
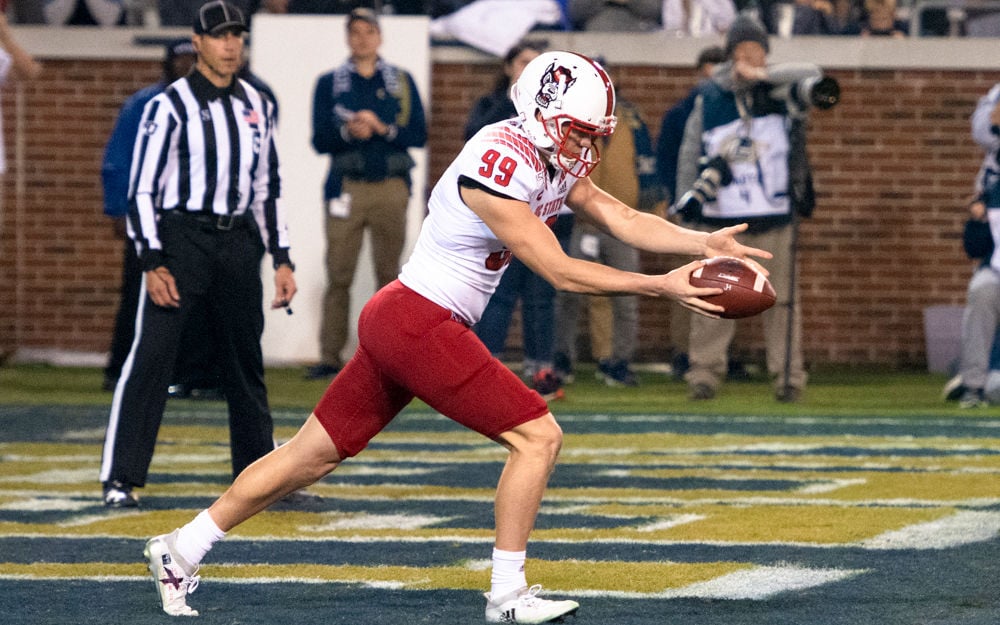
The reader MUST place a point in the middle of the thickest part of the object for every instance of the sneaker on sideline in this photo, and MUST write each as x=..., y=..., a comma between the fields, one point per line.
x=547, y=384
x=973, y=398
x=322, y=371
x=118, y=495
x=525, y=606
x=788, y=395
x=700, y=392
x=563, y=367
x=174, y=578
x=953, y=389
x=616, y=373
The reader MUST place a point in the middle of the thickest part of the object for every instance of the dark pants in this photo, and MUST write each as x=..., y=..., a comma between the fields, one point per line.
x=197, y=363
x=219, y=270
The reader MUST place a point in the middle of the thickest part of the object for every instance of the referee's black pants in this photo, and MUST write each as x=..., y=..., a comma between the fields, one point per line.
x=219, y=269
x=196, y=365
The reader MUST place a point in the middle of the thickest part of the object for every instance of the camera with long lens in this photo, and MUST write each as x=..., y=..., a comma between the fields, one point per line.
x=715, y=173
x=822, y=92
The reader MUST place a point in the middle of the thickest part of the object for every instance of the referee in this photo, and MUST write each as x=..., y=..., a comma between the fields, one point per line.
x=203, y=206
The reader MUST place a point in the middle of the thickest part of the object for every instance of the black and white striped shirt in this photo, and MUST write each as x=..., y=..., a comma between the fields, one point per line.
x=208, y=151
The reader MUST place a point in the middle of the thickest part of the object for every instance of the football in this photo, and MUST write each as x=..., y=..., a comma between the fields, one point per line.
x=746, y=291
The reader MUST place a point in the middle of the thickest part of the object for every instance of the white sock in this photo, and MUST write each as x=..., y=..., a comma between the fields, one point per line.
x=508, y=572
x=196, y=538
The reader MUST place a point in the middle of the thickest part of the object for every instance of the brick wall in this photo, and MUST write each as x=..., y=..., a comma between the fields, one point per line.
x=893, y=164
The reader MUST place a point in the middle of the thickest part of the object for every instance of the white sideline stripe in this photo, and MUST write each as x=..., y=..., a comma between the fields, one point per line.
x=762, y=582
x=671, y=521
x=378, y=522
x=54, y=476
x=962, y=528
x=845, y=421
x=829, y=486
x=92, y=578
x=47, y=504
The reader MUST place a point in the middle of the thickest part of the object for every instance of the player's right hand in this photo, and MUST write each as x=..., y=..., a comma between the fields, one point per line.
x=689, y=296
x=162, y=288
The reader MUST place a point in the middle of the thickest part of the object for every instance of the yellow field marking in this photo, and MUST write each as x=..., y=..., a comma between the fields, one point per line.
x=762, y=524
x=565, y=575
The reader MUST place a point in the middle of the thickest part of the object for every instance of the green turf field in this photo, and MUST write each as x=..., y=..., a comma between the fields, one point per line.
x=832, y=391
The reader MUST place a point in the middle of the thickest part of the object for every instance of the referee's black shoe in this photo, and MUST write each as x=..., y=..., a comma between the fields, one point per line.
x=118, y=495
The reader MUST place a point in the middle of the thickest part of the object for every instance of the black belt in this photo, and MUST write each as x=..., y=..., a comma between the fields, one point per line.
x=223, y=223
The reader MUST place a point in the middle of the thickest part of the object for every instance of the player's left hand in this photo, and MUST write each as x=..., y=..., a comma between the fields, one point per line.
x=723, y=242
x=284, y=287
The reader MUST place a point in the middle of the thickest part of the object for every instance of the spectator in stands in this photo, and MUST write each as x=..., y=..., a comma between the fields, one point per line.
x=519, y=283
x=615, y=15
x=26, y=12
x=15, y=63
x=84, y=12
x=667, y=145
x=629, y=174
x=366, y=115
x=698, y=17
x=880, y=20
x=182, y=12
x=343, y=7
x=827, y=17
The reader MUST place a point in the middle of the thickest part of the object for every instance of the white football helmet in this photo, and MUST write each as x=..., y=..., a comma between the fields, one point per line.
x=559, y=93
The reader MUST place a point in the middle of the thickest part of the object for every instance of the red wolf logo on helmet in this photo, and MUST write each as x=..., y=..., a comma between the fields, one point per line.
x=555, y=82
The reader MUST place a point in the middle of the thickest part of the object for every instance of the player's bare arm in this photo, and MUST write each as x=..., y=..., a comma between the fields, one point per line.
x=651, y=233
x=536, y=246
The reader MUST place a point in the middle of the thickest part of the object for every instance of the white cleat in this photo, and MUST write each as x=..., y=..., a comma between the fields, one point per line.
x=174, y=578
x=525, y=606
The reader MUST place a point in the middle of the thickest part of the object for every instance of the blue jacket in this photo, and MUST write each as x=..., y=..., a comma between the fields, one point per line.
x=668, y=144
x=392, y=95
x=117, y=164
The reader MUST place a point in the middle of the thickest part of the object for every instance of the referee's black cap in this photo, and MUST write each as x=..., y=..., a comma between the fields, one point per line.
x=215, y=16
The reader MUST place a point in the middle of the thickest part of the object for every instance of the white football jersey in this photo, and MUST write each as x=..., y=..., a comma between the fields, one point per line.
x=457, y=260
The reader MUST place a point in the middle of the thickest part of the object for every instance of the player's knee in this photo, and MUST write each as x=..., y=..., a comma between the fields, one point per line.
x=541, y=438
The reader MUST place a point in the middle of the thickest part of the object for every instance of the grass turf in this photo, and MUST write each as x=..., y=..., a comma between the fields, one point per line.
x=832, y=391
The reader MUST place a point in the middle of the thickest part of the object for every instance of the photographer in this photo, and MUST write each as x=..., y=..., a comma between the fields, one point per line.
x=743, y=158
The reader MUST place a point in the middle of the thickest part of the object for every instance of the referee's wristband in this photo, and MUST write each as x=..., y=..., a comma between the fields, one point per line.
x=281, y=257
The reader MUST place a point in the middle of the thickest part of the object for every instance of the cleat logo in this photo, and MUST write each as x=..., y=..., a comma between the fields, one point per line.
x=508, y=617
x=171, y=579
x=165, y=558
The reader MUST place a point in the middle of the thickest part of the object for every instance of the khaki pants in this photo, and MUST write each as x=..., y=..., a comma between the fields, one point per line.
x=709, y=341
x=380, y=208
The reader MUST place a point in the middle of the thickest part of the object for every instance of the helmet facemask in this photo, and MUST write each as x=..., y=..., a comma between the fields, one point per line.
x=568, y=154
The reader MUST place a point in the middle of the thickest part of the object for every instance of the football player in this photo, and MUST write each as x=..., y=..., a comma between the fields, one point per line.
x=415, y=339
